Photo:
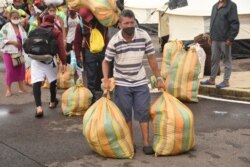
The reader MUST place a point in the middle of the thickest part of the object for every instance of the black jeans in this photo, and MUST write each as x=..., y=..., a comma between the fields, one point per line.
x=37, y=92
x=93, y=63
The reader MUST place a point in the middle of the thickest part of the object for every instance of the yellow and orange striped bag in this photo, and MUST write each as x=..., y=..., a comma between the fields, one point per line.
x=173, y=126
x=169, y=52
x=106, y=11
x=106, y=130
x=67, y=79
x=76, y=100
x=182, y=80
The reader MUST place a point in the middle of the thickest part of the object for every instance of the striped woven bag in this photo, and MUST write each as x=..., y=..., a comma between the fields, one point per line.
x=173, y=126
x=76, y=100
x=106, y=130
x=182, y=80
x=67, y=79
x=169, y=52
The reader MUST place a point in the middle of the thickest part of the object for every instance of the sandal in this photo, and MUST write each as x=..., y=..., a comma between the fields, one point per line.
x=54, y=105
x=39, y=114
x=148, y=150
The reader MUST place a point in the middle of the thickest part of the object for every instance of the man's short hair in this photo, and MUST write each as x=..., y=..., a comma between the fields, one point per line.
x=127, y=13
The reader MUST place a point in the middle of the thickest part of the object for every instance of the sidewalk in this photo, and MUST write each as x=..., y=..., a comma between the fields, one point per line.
x=239, y=88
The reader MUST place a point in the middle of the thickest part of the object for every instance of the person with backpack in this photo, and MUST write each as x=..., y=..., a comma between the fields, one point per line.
x=84, y=45
x=47, y=69
x=70, y=24
x=12, y=35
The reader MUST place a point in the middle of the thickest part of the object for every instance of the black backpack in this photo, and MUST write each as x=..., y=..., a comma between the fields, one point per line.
x=41, y=42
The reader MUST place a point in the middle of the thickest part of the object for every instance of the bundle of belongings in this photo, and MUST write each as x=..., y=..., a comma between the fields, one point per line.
x=76, y=100
x=173, y=126
x=106, y=11
x=106, y=130
x=180, y=69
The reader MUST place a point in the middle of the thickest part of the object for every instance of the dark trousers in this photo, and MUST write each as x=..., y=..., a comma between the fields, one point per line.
x=37, y=92
x=93, y=63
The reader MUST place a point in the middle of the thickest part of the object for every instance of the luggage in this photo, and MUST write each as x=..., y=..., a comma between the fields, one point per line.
x=41, y=44
x=67, y=79
x=169, y=52
x=76, y=100
x=106, y=11
x=106, y=130
x=173, y=126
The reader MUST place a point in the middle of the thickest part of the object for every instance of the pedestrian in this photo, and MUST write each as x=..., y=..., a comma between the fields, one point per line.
x=92, y=61
x=12, y=35
x=224, y=27
x=42, y=70
x=128, y=48
x=70, y=24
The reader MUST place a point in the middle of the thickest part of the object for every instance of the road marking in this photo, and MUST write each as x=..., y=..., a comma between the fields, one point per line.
x=224, y=100
x=221, y=112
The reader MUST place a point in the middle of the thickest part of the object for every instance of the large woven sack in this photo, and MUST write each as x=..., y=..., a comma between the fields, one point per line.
x=76, y=100
x=169, y=52
x=28, y=76
x=67, y=79
x=106, y=130
x=173, y=126
x=106, y=11
x=182, y=79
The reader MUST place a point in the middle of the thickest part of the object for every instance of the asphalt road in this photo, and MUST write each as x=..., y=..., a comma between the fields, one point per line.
x=222, y=139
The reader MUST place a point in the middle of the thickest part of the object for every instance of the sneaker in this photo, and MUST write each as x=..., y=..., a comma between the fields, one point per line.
x=223, y=84
x=207, y=82
x=148, y=150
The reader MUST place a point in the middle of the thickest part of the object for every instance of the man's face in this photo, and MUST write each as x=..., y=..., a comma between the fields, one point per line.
x=126, y=22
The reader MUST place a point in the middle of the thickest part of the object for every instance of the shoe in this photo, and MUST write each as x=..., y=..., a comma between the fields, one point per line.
x=39, y=114
x=207, y=82
x=222, y=85
x=55, y=104
x=148, y=150
x=134, y=148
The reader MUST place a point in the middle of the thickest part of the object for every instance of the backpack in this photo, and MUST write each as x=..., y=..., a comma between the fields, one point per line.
x=41, y=44
x=96, y=41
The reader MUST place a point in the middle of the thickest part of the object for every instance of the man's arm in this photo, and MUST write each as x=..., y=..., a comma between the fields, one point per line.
x=105, y=71
x=154, y=66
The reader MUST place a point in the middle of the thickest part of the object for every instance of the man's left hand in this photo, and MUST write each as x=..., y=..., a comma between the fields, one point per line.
x=228, y=43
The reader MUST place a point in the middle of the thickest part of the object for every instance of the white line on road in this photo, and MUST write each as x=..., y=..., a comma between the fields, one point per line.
x=225, y=100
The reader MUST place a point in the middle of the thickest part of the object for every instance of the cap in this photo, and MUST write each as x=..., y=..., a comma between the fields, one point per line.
x=86, y=14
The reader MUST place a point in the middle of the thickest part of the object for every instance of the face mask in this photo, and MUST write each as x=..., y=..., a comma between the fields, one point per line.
x=15, y=21
x=129, y=31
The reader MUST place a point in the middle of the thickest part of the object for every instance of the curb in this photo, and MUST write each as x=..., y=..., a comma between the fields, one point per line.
x=229, y=93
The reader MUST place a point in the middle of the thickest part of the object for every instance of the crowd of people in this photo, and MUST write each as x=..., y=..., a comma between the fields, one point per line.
x=121, y=56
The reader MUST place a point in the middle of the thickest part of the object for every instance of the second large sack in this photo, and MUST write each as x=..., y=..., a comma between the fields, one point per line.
x=173, y=126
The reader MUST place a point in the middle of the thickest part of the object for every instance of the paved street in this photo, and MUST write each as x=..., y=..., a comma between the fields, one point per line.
x=222, y=138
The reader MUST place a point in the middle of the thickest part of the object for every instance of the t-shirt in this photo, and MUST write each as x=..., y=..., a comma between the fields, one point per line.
x=71, y=25
x=128, y=57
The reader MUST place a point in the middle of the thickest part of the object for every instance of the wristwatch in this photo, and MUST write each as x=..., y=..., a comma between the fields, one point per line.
x=159, y=78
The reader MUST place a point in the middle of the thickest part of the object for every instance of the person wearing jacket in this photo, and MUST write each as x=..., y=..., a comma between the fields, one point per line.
x=224, y=27
x=42, y=70
x=93, y=61
x=12, y=35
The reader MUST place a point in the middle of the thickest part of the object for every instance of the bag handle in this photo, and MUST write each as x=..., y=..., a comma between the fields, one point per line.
x=106, y=93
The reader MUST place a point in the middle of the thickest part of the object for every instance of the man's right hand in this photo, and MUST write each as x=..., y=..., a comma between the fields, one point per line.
x=106, y=83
